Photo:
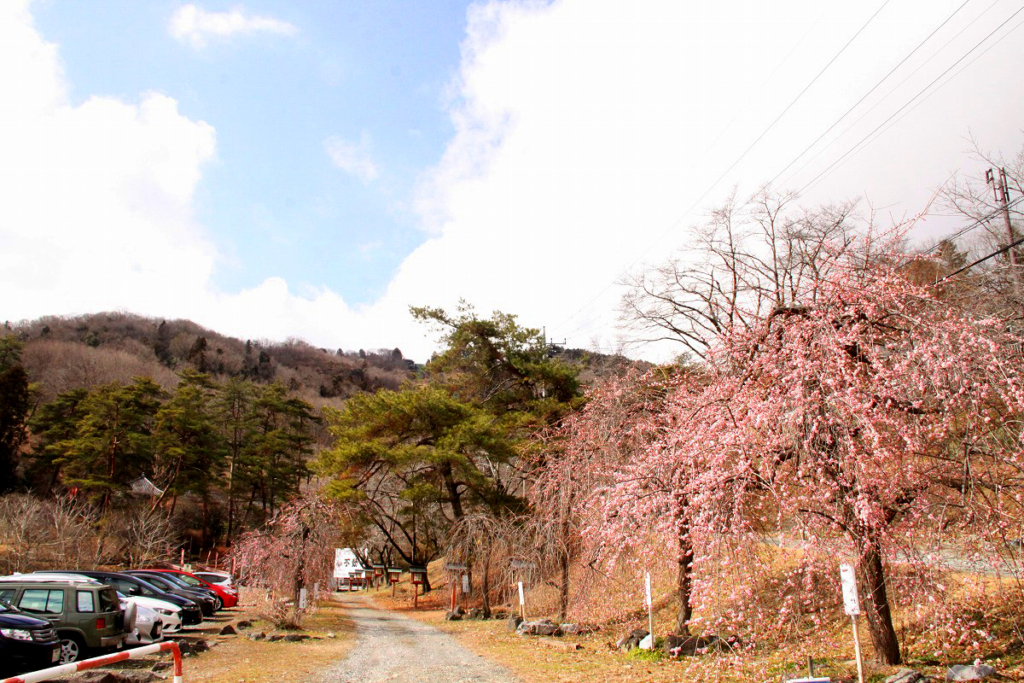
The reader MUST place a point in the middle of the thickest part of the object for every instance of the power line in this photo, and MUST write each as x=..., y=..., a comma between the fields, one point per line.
x=1005, y=249
x=893, y=90
x=950, y=78
x=849, y=152
x=971, y=226
x=734, y=163
x=868, y=93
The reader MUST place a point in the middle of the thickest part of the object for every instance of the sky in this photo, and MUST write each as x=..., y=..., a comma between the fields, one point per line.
x=309, y=170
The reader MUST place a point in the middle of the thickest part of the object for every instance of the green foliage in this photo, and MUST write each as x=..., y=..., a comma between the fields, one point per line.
x=15, y=401
x=113, y=440
x=638, y=655
x=448, y=445
x=248, y=443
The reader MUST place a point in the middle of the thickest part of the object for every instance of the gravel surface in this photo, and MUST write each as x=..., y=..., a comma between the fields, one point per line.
x=391, y=647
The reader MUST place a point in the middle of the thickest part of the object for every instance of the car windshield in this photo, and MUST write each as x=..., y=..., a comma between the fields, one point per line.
x=148, y=589
x=175, y=580
x=190, y=580
x=166, y=585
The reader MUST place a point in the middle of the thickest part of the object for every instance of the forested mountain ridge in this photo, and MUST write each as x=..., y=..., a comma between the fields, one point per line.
x=62, y=353
x=69, y=352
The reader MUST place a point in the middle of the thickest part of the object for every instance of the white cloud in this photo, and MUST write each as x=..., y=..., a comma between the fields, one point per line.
x=352, y=157
x=191, y=23
x=95, y=199
x=584, y=130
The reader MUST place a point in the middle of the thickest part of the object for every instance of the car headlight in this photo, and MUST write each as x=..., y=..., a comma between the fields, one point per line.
x=164, y=610
x=16, y=633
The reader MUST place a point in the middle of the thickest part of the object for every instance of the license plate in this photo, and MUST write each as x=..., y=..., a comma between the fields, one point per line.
x=55, y=655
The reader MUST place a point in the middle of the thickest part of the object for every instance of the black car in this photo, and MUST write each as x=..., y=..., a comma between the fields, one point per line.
x=206, y=603
x=191, y=610
x=26, y=643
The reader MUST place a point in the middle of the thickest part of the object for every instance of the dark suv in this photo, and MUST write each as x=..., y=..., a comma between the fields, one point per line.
x=86, y=614
x=26, y=643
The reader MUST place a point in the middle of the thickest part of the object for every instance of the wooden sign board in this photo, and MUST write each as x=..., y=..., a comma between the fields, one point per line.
x=450, y=567
x=394, y=575
x=419, y=575
x=851, y=601
x=378, y=570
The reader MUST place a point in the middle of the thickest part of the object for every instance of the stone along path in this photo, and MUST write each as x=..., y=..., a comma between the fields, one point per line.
x=391, y=647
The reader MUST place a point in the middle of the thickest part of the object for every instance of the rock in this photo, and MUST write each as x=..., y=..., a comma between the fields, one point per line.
x=258, y=635
x=475, y=613
x=161, y=666
x=330, y=635
x=632, y=640
x=459, y=611
x=514, y=621
x=452, y=616
x=228, y=630
x=905, y=676
x=671, y=642
x=295, y=637
x=569, y=629
x=244, y=623
x=200, y=646
x=969, y=672
x=275, y=637
x=543, y=627
x=692, y=645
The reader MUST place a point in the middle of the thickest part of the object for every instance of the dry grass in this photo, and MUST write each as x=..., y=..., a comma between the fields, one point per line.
x=237, y=659
x=534, y=662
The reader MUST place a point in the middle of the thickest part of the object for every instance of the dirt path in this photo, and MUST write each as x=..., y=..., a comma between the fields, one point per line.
x=391, y=647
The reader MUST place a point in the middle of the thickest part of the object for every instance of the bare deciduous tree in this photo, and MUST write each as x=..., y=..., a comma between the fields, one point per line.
x=748, y=259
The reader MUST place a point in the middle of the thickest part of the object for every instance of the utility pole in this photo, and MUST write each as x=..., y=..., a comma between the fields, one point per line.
x=1001, y=191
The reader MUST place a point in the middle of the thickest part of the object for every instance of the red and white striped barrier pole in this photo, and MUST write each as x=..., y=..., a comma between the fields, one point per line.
x=45, y=674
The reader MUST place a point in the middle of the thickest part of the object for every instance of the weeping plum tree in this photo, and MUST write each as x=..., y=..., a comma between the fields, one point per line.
x=860, y=408
x=578, y=484
x=294, y=551
x=857, y=417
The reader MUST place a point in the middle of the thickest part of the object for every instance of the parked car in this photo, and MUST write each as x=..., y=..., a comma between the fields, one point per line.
x=149, y=626
x=205, y=599
x=86, y=614
x=190, y=610
x=26, y=643
x=227, y=594
x=219, y=578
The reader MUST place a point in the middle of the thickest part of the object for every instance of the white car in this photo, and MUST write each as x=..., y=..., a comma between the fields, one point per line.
x=169, y=613
x=147, y=627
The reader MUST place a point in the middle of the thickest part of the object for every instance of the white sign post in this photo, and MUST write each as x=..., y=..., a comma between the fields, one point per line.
x=851, y=604
x=648, y=642
x=302, y=598
x=522, y=602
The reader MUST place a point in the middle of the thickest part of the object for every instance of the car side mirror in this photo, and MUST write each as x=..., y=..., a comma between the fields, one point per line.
x=134, y=590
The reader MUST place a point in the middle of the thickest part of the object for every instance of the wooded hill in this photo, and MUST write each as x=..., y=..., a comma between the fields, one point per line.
x=62, y=353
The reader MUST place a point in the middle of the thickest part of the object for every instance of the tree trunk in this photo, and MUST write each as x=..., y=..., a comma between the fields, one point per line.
x=563, y=589
x=684, y=582
x=487, y=587
x=875, y=604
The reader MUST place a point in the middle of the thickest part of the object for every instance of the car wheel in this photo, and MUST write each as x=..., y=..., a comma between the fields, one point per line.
x=219, y=605
x=72, y=649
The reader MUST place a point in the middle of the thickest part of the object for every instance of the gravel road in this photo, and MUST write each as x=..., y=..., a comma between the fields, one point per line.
x=391, y=647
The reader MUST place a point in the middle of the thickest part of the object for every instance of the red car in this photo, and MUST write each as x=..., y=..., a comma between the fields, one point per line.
x=227, y=594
